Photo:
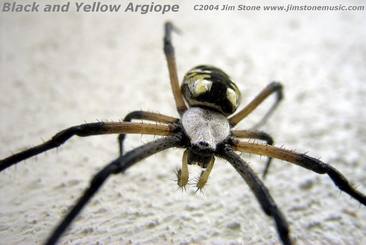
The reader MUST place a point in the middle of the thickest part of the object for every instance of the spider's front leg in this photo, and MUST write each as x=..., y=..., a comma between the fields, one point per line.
x=84, y=130
x=260, y=191
x=119, y=165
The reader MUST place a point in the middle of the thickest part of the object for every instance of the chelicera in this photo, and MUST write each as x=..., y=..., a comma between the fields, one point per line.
x=206, y=103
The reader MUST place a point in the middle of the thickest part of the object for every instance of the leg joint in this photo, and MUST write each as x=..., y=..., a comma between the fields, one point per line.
x=168, y=47
x=89, y=129
x=277, y=86
x=103, y=174
x=80, y=130
x=62, y=136
x=266, y=137
x=312, y=164
x=134, y=115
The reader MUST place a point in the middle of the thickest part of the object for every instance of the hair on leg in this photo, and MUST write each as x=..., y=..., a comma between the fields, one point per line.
x=84, y=130
x=304, y=161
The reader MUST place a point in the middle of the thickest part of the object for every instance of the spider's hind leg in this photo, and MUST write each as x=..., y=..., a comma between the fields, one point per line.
x=144, y=115
x=172, y=67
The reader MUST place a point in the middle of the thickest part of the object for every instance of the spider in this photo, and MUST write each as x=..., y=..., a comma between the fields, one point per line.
x=206, y=102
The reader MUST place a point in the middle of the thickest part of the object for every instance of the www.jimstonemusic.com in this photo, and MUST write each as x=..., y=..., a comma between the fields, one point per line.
x=291, y=7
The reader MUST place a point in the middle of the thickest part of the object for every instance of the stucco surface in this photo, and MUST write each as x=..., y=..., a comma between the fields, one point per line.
x=59, y=70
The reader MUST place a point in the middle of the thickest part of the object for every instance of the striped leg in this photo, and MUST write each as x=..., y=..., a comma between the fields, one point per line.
x=84, y=130
x=170, y=58
x=304, y=161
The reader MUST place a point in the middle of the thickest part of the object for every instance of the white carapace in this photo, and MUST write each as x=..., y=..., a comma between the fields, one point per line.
x=205, y=127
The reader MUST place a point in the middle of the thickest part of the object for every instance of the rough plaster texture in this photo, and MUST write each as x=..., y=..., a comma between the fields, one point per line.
x=59, y=70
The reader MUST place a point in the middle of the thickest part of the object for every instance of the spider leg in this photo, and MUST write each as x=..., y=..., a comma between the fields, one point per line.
x=172, y=67
x=250, y=134
x=144, y=115
x=87, y=129
x=119, y=165
x=303, y=161
x=273, y=87
x=260, y=191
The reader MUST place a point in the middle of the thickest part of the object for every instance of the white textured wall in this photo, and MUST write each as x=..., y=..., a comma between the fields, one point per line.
x=65, y=69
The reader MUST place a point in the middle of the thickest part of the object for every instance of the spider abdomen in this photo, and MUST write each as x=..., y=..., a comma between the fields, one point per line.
x=208, y=86
x=205, y=128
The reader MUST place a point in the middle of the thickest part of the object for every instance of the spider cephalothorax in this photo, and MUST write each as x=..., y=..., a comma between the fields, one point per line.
x=206, y=129
x=203, y=129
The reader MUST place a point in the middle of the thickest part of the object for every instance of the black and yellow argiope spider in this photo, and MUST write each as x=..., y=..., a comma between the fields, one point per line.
x=204, y=129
